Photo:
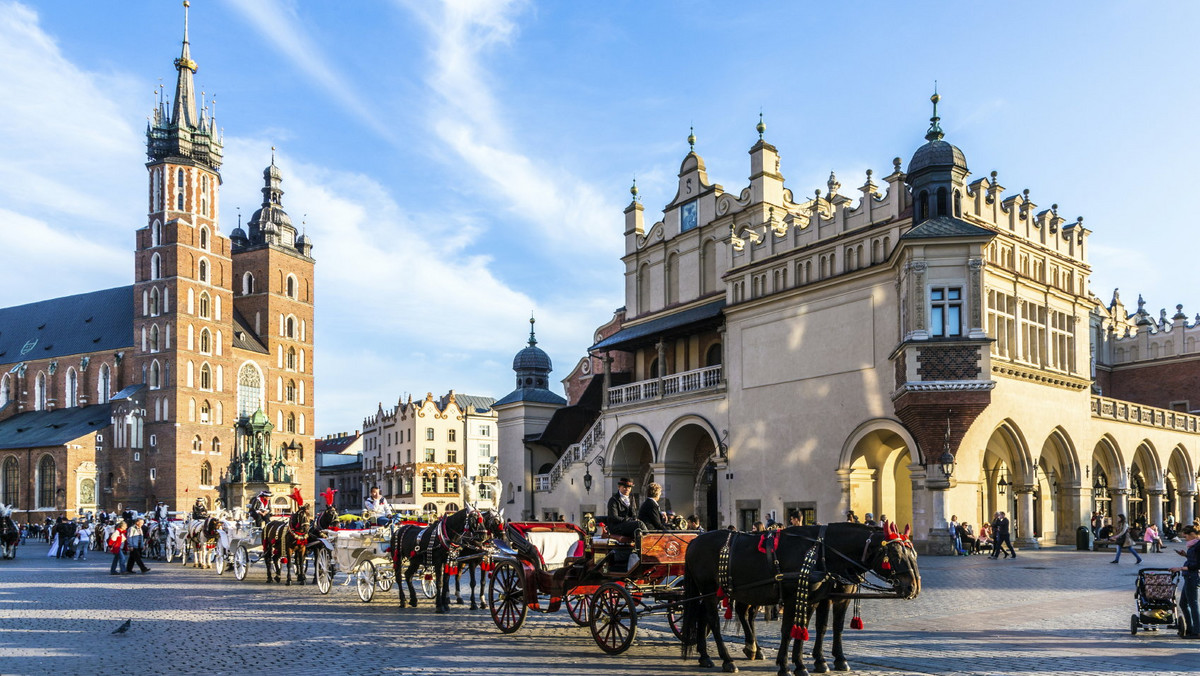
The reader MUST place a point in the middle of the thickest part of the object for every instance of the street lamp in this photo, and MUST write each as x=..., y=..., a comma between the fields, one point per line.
x=587, y=472
x=947, y=463
x=1003, y=483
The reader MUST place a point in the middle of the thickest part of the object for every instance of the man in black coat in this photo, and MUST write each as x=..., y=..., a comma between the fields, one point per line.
x=650, y=513
x=1002, y=535
x=621, y=517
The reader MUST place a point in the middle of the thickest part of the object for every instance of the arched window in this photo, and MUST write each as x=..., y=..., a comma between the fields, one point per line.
x=205, y=412
x=289, y=327
x=451, y=483
x=708, y=266
x=957, y=203
x=290, y=286
x=155, y=375
x=205, y=377
x=922, y=206
x=713, y=356
x=249, y=390
x=430, y=508
x=203, y=270
x=179, y=190
x=204, y=208
x=12, y=481
x=154, y=338
x=247, y=284
x=643, y=284
x=203, y=233
x=942, y=207
x=103, y=384
x=205, y=341
x=204, y=304
x=5, y=391
x=197, y=444
x=451, y=508
x=155, y=266
x=72, y=388
x=429, y=482
x=290, y=392
x=154, y=302
x=216, y=446
x=39, y=392
x=291, y=359
x=672, y=279
x=205, y=474
x=47, y=483
x=155, y=234
x=291, y=423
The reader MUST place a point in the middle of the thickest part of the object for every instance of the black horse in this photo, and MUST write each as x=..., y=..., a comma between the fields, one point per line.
x=437, y=547
x=325, y=520
x=285, y=543
x=10, y=534
x=746, y=615
x=813, y=563
x=473, y=553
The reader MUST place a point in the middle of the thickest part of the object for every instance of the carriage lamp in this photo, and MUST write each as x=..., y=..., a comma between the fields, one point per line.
x=947, y=463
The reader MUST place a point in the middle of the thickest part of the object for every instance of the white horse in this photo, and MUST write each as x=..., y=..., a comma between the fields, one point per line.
x=202, y=537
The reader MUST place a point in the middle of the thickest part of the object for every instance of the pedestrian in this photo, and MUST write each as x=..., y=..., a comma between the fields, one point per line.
x=82, y=538
x=136, y=544
x=1189, y=598
x=795, y=519
x=116, y=546
x=1122, y=537
x=954, y=535
x=1097, y=524
x=1001, y=536
x=756, y=527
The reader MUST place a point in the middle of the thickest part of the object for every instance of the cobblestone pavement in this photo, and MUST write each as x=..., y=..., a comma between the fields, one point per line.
x=1049, y=611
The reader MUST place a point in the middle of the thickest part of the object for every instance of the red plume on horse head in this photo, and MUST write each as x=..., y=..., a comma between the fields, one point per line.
x=328, y=495
x=297, y=497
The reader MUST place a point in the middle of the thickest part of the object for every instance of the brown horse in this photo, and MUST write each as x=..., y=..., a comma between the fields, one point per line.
x=285, y=543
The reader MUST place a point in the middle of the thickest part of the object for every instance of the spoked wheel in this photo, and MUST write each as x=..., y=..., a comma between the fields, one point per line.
x=428, y=582
x=324, y=566
x=506, y=597
x=1133, y=624
x=579, y=608
x=169, y=551
x=387, y=578
x=675, y=619
x=222, y=560
x=614, y=618
x=365, y=574
x=241, y=562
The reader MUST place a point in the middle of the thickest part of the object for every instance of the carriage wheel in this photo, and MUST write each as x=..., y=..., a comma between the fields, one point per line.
x=387, y=578
x=1133, y=624
x=614, y=618
x=222, y=560
x=169, y=551
x=365, y=573
x=241, y=562
x=675, y=619
x=506, y=597
x=579, y=607
x=428, y=582
x=324, y=571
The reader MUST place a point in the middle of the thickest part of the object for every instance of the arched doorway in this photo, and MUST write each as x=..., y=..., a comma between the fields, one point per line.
x=1056, y=502
x=689, y=445
x=878, y=477
x=1008, y=484
x=1143, y=484
x=630, y=455
x=1108, y=474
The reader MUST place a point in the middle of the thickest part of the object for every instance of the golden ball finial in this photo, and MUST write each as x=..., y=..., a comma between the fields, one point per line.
x=691, y=139
x=186, y=3
x=935, y=98
x=633, y=190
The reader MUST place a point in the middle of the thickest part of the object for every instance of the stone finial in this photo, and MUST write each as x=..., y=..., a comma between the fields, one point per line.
x=1179, y=316
x=833, y=184
x=896, y=162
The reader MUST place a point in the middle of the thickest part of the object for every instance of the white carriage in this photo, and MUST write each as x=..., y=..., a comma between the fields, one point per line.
x=239, y=546
x=362, y=554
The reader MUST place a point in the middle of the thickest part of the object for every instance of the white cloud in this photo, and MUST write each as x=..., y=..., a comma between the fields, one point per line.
x=41, y=262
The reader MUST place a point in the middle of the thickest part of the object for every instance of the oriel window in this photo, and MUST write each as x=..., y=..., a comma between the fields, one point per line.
x=945, y=312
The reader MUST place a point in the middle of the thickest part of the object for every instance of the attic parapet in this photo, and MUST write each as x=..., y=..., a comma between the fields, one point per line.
x=1140, y=337
x=1018, y=215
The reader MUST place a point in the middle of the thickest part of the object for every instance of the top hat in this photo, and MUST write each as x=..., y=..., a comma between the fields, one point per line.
x=625, y=481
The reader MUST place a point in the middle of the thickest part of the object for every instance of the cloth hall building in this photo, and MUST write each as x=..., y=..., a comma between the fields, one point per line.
x=921, y=346
x=194, y=381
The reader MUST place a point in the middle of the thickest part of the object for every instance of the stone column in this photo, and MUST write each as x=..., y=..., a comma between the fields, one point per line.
x=1120, y=503
x=1025, y=538
x=939, y=542
x=1074, y=501
x=607, y=380
x=1156, y=506
x=1187, y=506
x=844, y=494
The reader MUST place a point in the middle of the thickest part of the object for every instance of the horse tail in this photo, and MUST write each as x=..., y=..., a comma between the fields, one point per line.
x=692, y=613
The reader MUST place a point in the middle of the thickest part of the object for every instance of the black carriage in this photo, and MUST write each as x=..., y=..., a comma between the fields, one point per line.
x=606, y=583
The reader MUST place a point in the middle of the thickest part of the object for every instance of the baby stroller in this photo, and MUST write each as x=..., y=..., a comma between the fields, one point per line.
x=1156, y=605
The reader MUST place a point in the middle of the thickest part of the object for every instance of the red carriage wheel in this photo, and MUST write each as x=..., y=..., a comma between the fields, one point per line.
x=614, y=618
x=675, y=619
x=506, y=596
x=579, y=608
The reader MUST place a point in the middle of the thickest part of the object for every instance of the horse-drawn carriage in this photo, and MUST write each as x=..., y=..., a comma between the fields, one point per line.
x=605, y=583
x=361, y=553
x=240, y=547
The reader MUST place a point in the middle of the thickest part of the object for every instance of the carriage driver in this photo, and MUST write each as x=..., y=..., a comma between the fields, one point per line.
x=622, y=515
x=199, y=510
x=260, y=507
x=377, y=505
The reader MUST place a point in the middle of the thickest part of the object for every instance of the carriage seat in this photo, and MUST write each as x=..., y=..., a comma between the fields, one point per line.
x=612, y=540
x=547, y=550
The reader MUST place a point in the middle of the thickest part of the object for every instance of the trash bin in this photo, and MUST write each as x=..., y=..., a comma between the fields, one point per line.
x=1083, y=539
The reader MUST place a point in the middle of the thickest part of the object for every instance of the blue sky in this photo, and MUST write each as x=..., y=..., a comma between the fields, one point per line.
x=461, y=164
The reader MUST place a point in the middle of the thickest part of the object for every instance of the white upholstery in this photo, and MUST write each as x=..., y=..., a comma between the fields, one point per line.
x=555, y=547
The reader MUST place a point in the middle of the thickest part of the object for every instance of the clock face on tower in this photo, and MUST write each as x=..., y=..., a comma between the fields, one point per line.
x=688, y=216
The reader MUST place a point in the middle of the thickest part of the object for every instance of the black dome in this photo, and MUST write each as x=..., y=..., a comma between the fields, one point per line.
x=532, y=358
x=937, y=154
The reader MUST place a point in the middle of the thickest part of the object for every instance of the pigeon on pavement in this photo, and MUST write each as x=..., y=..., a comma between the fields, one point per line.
x=124, y=627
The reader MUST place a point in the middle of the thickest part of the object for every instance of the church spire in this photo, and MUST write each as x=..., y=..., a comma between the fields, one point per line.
x=184, y=112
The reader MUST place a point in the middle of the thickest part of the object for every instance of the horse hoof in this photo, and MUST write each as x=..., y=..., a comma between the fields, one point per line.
x=729, y=667
x=820, y=668
x=841, y=665
x=461, y=602
x=758, y=655
x=706, y=662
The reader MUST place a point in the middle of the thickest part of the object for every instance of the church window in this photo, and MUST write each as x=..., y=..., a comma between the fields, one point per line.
x=290, y=286
x=155, y=375
x=291, y=359
x=103, y=384
x=205, y=377
x=218, y=343
x=300, y=430
x=12, y=481
x=291, y=423
x=39, y=392
x=205, y=341
x=154, y=304
x=220, y=413
x=179, y=190
x=47, y=482
x=204, y=304
x=289, y=328
x=155, y=267
x=206, y=474
x=197, y=444
x=204, y=209
x=204, y=237
x=247, y=284
x=205, y=412
x=203, y=270
x=72, y=388
x=156, y=234
x=945, y=312
x=290, y=391
x=154, y=338
x=5, y=391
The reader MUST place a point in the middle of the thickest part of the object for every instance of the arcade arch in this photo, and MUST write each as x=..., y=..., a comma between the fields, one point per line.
x=875, y=471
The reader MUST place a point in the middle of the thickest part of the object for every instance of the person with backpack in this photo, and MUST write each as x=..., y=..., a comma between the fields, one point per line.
x=116, y=547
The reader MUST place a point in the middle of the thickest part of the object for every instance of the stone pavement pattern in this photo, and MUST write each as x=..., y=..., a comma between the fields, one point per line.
x=1047, y=612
